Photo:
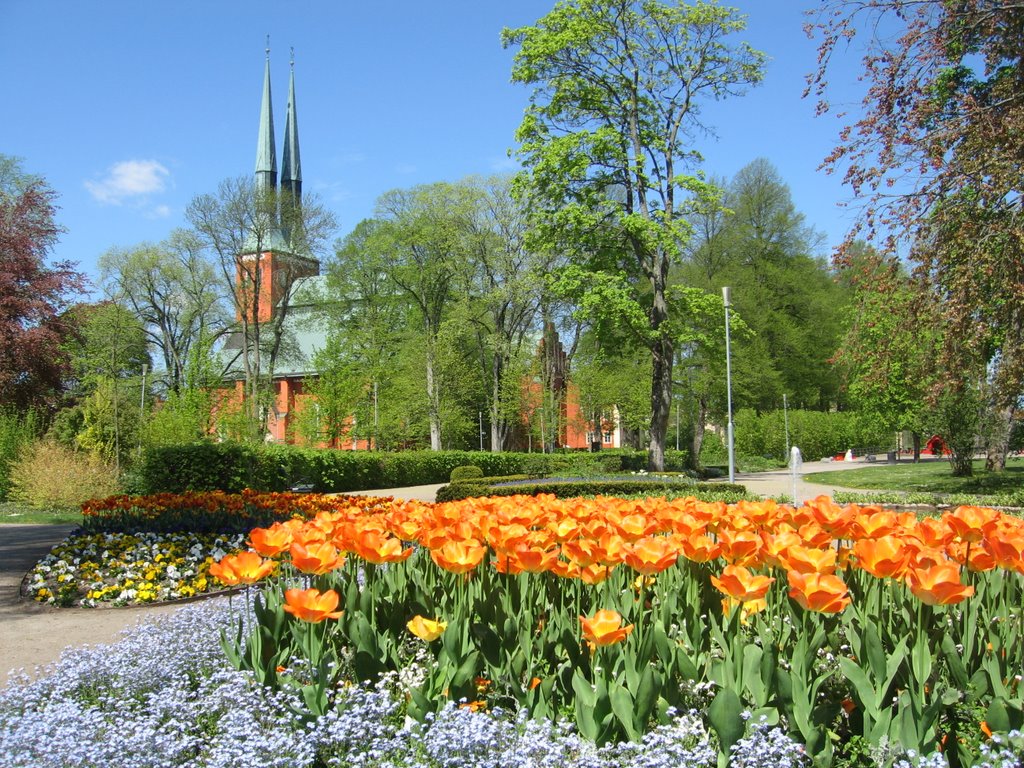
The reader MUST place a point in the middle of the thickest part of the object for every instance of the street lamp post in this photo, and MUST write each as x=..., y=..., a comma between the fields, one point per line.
x=728, y=388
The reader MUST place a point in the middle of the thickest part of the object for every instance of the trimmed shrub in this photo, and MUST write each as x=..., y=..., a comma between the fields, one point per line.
x=465, y=473
x=47, y=474
x=573, y=488
x=233, y=467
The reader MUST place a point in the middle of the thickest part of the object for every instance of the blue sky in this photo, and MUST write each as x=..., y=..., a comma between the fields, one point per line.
x=130, y=109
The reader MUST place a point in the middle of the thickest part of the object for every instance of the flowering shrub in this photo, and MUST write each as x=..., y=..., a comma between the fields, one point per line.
x=838, y=622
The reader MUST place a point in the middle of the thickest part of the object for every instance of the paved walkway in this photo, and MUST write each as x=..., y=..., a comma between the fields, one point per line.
x=34, y=635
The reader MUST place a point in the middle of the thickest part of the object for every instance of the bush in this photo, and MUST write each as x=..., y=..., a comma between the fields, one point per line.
x=573, y=488
x=465, y=473
x=233, y=467
x=47, y=474
x=16, y=431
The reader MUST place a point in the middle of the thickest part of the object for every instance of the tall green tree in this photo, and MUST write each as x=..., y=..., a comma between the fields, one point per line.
x=891, y=341
x=505, y=289
x=422, y=242
x=107, y=357
x=607, y=145
x=763, y=248
x=174, y=291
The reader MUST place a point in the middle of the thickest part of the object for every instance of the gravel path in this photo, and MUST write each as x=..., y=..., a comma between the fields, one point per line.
x=33, y=635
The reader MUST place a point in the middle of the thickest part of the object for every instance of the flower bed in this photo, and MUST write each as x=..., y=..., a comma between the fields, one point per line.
x=135, y=550
x=164, y=696
x=865, y=635
x=849, y=626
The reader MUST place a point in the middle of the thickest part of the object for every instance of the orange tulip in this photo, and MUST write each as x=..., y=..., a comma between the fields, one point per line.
x=652, y=554
x=427, y=630
x=739, y=546
x=938, y=585
x=583, y=552
x=316, y=557
x=700, y=548
x=271, y=541
x=1008, y=551
x=633, y=527
x=531, y=560
x=971, y=523
x=775, y=545
x=884, y=557
x=874, y=524
x=375, y=547
x=809, y=560
x=830, y=516
x=822, y=592
x=932, y=532
x=740, y=584
x=460, y=556
x=595, y=573
x=604, y=628
x=243, y=568
x=311, y=605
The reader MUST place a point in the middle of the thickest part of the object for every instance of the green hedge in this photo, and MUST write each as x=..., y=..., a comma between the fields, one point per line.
x=818, y=434
x=233, y=467
x=574, y=488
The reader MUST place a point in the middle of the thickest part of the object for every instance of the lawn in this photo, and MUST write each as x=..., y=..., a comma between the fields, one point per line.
x=932, y=476
x=13, y=512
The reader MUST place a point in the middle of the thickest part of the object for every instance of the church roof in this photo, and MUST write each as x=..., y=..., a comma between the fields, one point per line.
x=266, y=152
x=291, y=164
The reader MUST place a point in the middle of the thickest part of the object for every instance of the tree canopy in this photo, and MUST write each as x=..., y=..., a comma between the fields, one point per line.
x=606, y=143
x=33, y=293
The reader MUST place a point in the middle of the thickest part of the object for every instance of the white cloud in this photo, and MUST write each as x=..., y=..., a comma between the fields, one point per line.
x=129, y=179
x=159, y=212
x=405, y=169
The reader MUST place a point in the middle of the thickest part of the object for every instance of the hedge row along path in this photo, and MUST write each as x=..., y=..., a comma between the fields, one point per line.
x=33, y=636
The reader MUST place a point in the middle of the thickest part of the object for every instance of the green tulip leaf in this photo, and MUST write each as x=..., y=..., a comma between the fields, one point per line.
x=725, y=716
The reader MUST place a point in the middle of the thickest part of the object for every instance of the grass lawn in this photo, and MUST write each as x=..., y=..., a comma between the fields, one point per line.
x=12, y=512
x=928, y=476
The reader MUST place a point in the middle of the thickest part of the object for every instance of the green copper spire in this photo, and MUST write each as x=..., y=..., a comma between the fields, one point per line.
x=291, y=165
x=266, y=153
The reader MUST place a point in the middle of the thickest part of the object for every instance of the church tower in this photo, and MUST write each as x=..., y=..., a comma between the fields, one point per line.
x=279, y=251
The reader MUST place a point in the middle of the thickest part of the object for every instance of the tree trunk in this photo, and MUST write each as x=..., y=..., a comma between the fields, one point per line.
x=917, y=446
x=698, y=431
x=997, y=439
x=433, y=402
x=661, y=404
